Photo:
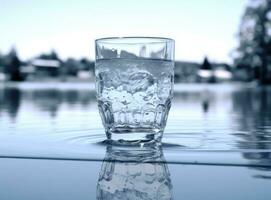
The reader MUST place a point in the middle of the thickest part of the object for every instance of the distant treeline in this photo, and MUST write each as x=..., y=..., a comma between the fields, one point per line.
x=51, y=66
x=42, y=66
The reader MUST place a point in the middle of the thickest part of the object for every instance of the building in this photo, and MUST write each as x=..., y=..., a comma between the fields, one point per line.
x=214, y=72
x=46, y=67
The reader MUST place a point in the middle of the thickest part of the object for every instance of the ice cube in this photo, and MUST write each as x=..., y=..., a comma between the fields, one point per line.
x=109, y=78
x=126, y=54
x=140, y=81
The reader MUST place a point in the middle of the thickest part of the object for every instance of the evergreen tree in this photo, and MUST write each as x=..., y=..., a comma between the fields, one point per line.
x=12, y=67
x=206, y=64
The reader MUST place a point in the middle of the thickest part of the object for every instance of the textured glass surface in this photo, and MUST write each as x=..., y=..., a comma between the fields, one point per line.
x=134, y=85
x=138, y=174
x=134, y=94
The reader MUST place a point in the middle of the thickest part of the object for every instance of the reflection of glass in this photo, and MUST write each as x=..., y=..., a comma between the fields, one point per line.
x=134, y=174
x=134, y=83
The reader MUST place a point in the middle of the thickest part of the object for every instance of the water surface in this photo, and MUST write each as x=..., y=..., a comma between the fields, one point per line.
x=220, y=133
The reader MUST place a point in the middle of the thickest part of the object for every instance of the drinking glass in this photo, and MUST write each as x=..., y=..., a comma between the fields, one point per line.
x=130, y=173
x=134, y=85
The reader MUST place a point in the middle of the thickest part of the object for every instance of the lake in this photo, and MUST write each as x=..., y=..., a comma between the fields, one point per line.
x=217, y=143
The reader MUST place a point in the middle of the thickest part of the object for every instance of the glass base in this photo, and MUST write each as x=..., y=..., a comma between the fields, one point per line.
x=134, y=136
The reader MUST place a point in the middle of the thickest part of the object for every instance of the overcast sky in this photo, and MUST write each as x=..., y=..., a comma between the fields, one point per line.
x=199, y=27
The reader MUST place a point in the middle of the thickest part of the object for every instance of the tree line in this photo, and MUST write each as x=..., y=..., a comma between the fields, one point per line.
x=254, y=51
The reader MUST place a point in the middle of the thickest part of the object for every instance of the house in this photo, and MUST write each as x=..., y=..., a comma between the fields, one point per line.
x=46, y=67
x=222, y=71
x=214, y=72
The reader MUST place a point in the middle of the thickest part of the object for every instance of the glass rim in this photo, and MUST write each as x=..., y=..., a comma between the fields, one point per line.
x=134, y=40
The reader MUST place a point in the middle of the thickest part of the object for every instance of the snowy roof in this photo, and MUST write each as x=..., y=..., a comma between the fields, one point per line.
x=46, y=63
